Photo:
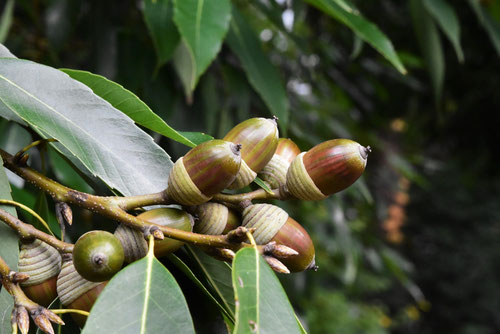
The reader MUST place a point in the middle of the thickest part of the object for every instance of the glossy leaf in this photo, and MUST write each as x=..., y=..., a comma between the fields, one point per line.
x=491, y=26
x=262, y=75
x=202, y=25
x=218, y=275
x=447, y=19
x=5, y=112
x=365, y=29
x=262, y=305
x=142, y=298
x=127, y=102
x=9, y=251
x=158, y=15
x=98, y=136
x=430, y=44
x=196, y=137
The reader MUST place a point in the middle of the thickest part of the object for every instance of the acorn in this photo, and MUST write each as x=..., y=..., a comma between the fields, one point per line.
x=98, y=255
x=272, y=223
x=42, y=263
x=203, y=172
x=259, y=139
x=325, y=169
x=75, y=292
x=274, y=173
x=136, y=247
x=215, y=219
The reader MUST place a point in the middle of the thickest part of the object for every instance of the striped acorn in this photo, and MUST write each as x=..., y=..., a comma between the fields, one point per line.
x=325, y=169
x=259, y=139
x=215, y=219
x=98, y=255
x=134, y=244
x=274, y=173
x=42, y=263
x=272, y=223
x=203, y=172
x=75, y=292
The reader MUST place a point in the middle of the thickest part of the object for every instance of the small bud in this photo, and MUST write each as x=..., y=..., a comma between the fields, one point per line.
x=281, y=251
x=226, y=253
x=18, y=277
x=43, y=323
x=276, y=265
x=238, y=235
x=64, y=210
x=22, y=319
x=52, y=316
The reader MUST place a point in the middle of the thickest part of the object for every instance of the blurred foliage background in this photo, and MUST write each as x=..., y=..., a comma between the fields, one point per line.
x=412, y=247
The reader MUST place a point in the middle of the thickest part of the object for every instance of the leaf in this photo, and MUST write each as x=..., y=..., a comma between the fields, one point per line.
x=263, y=185
x=5, y=53
x=6, y=20
x=447, y=20
x=9, y=251
x=365, y=29
x=261, y=303
x=98, y=136
x=430, y=44
x=128, y=103
x=4, y=110
x=196, y=137
x=142, y=298
x=263, y=75
x=218, y=275
x=158, y=15
x=491, y=26
x=189, y=273
x=202, y=25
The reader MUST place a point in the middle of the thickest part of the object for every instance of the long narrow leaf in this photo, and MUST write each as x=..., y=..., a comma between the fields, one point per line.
x=491, y=26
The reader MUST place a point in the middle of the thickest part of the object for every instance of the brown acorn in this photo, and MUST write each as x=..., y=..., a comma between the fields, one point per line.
x=204, y=171
x=325, y=169
x=215, y=219
x=134, y=244
x=272, y=223
x=259, y=139
x=274, y=173
x=42, y=263
x=76, y=292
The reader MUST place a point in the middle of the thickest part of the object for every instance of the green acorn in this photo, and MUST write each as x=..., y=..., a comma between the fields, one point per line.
x=75, y=292
x=42, y=263
x=274, y=173
x=203, y=172
x=136, y=247
x=259, y=139
x=272, y=223
x=325, y=169
x=98, y=255
x=215, y=219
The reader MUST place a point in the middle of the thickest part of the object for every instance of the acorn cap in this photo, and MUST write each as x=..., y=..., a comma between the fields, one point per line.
x=259, y=139
x=325, y=169
x=204, y=171
x=274, y=173
x=70, y=284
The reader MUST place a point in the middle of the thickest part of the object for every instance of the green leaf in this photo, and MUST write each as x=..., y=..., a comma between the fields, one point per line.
x=66, y=174
x=447, y=20
x=202, y=25
x=158, y=15
x=196, y=137
x=263, y=75
x=263, y=185
x=9, y=251
x=218, y=275
x=6, y=20
x=142, y=298
x=262, y=305
x=491, y=26
x=89, y=129
x=369, y=32
x=128, y=103
x=430, y=44
x=189, y=273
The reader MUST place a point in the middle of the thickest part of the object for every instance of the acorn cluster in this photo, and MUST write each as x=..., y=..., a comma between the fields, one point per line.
x=251, y=149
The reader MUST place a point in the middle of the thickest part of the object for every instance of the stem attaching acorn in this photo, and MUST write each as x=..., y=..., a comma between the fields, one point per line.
x=325, y=169
x=215, y=219
x=274, y=173
x=203, y=172
x=272, y=223
x=42, y=263
x=259, y=139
